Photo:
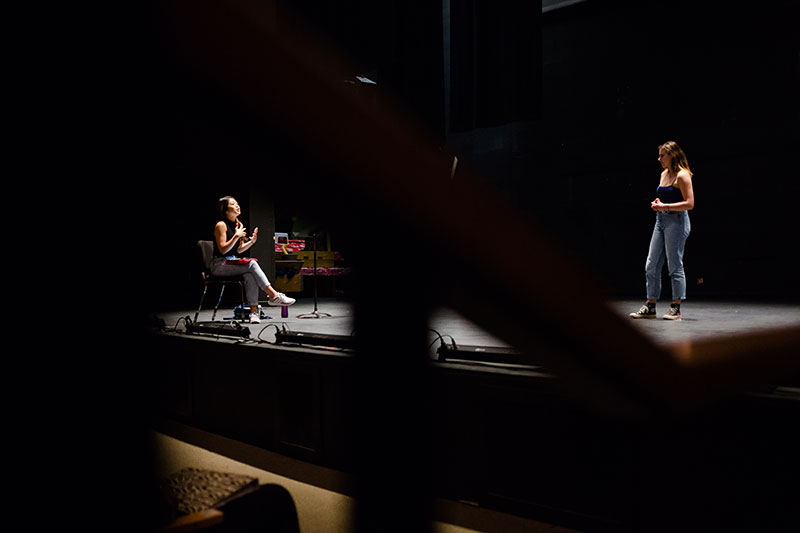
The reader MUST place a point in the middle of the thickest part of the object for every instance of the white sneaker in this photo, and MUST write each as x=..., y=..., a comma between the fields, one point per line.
x=281, y=299
x=254, y=318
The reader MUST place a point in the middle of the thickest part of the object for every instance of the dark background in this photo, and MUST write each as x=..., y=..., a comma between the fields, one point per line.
x=563, y=111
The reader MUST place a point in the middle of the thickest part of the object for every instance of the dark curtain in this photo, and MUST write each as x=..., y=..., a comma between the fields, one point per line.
x=495, y=62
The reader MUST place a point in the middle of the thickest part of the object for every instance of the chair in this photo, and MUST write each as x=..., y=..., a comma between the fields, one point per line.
x=206, y=249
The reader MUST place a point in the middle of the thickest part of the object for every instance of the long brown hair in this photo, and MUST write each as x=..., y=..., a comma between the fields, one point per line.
x=679, y=160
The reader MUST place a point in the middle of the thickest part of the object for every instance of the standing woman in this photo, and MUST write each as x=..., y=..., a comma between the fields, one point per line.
x=674, y=199
x=231, y=240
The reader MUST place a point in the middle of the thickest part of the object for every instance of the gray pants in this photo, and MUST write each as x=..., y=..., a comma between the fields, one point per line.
x=254, y=278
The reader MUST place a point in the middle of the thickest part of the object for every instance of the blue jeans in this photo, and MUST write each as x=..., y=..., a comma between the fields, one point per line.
x=668, y=241
x=254, y=277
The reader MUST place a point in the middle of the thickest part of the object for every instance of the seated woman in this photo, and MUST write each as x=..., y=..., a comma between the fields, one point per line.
x=231, y=240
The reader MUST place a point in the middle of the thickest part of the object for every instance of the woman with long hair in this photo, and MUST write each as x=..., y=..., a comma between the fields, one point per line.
x=230, y=238
x=674, y=199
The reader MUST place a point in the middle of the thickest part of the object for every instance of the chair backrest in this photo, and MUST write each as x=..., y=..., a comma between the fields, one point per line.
x=206, y=254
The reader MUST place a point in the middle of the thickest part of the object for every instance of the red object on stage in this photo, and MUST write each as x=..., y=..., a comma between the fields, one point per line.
x=326, y=271
x=294, y=245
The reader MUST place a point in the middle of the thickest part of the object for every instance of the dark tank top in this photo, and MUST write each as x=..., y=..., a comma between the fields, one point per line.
x=229, y=232
x=669, y=195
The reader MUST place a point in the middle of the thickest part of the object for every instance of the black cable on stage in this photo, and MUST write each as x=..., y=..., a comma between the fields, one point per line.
x=440, y=338
x=285, y=328
x=175, y=329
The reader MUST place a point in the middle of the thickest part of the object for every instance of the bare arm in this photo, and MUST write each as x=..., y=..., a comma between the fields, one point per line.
x=220, y=236
x=245, y=245
x=685, y=185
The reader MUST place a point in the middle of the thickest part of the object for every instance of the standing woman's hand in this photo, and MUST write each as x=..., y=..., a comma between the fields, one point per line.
x=656, y=205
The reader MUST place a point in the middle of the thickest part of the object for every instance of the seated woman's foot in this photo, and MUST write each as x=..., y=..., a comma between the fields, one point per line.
x=280, y=299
